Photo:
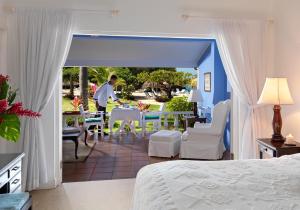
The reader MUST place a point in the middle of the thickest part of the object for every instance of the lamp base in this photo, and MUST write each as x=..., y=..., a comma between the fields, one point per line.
x=277, y=125
x=278, y=138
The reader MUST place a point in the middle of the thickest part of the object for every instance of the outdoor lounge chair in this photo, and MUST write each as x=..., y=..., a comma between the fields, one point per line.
x=153, y=117
x=92, y=120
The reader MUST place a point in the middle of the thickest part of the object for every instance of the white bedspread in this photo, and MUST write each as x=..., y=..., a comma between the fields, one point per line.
x=226, y=185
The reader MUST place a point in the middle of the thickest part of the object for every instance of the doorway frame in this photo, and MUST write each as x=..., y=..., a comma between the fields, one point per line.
x=234, y=114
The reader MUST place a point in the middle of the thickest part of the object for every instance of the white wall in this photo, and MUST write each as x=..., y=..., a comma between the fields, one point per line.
x=3, y=51
x=152, y=17
x=2, y=43
x=3, y=69
x=287, y=58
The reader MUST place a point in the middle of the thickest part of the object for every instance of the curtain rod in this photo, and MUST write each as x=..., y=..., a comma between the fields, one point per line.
x=186, y=17
x=112, y=12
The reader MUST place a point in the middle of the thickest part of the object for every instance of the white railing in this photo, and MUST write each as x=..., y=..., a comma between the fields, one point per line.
x=176, y=117
x=165, y=114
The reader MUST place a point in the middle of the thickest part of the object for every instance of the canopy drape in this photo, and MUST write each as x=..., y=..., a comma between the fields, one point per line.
x=39, y=41
x=243, y=49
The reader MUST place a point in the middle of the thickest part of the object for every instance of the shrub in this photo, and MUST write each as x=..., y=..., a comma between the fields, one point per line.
x=178, y=104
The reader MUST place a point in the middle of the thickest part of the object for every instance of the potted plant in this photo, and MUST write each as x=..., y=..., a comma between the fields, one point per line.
x=10, y=111
x=76, y=103
x=143, y=107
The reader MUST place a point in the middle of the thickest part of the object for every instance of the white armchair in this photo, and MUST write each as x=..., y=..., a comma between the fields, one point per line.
x=205, y=141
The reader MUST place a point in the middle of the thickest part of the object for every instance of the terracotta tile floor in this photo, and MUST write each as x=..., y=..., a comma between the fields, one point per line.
x=114, y=157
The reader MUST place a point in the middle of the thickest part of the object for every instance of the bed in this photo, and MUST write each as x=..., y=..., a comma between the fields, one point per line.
x=272, y=184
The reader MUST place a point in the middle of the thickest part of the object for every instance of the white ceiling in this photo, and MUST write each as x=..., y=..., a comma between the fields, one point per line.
x=136, y=51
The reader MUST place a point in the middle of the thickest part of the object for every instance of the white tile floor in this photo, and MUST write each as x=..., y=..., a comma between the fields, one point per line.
x=92, y=195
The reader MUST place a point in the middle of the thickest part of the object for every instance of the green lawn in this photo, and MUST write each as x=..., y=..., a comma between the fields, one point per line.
x=67, y=106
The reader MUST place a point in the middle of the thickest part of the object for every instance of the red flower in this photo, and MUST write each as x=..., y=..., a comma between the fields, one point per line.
x=3, y=78
x=17, y=109
x=3, y=105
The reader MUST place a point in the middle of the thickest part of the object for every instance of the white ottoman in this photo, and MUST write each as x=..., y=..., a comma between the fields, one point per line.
x=164, y=143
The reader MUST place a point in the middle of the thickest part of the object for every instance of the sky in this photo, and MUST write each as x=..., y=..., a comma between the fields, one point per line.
x=188, y=70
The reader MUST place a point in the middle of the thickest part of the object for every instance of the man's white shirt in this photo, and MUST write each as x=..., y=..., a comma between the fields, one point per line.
x=103, y=93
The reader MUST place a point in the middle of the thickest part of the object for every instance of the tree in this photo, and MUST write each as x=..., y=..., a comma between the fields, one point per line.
x=71, y=75
x=126, y=75
x=98, y=75
x=165, y=80
x=84, y=87
x=121, y=83
x=135, y=71
x=194, y=82
x=127, y=80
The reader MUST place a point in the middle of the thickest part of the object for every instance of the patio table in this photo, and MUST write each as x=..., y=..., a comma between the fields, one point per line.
x=127, y=115
x=73, y=134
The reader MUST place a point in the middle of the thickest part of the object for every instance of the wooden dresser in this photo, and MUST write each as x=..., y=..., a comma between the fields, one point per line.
x=10, y=173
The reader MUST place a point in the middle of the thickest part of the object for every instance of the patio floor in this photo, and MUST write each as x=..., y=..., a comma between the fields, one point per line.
x=116, y=157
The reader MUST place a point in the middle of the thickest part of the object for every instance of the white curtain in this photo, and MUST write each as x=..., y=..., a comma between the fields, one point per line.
x=39, y=41
x=243, y=49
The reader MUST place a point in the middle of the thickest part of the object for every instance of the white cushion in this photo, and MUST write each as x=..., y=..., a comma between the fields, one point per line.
x=203, y=131
x=69, y=130
x=165, y=135
x=202, y=125
x=164, y=143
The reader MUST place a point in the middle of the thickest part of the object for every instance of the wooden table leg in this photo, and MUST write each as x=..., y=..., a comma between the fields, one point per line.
x=85, y=137
x=261, y=156
x=75, y=139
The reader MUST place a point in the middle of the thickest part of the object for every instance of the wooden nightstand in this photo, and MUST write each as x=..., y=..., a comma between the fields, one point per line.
x=276, y=149
x=190, y=121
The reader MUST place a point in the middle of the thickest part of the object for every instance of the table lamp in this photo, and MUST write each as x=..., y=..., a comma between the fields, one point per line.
x=195, y=96
x=276, y=92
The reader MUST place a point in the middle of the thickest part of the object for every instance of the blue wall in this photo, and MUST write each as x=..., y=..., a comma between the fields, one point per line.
x=211, y=62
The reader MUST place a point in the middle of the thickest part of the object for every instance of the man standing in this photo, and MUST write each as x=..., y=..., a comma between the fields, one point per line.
x=103, y=93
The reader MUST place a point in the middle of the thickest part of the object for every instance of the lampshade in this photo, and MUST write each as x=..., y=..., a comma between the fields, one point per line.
x=195, y=96
x=276, y=92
